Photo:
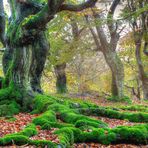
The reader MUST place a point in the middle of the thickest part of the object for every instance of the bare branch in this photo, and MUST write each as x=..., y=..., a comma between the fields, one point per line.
x=79, y=7
x=110, y=15
x=121, y=29
x=95, y=37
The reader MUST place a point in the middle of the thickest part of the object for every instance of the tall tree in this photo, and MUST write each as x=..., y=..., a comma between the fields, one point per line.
x=109, y=48
x=139, y=21
x=61, y=79
x=27, y=46
x=2, y=23
x=65, y=41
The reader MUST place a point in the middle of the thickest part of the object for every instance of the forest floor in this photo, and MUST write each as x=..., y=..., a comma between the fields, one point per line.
x=20, y=121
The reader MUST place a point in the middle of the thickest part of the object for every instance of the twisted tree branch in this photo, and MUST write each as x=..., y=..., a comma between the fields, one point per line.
x=79, y=7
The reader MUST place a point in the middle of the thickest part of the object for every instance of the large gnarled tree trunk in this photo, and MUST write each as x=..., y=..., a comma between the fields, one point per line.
x=26, y=46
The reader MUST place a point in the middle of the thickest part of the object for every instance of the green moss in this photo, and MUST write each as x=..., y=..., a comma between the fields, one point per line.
x=10, y=93
x=136, y=134
x=20, y=138
x=66, y=136
x=80, y=123
x=124, y=134
x=11, y=119
x=140, y=108
x=48, y=116
x=43, y=143
x=71, y=117
x=29, y=131
x=55, y=125
x=10, y=98
x=101, y=111
x=41, y=103
x=14, y=139
x=46, y=126
x=58, y=107
x=9, y=109
x=76, y=132
x=78, y=127
x=40, y=121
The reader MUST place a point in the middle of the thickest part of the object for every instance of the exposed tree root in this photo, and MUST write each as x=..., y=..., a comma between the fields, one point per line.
x=61, y=123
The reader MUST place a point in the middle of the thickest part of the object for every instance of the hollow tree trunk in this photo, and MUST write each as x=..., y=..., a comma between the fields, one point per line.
x=61, y=80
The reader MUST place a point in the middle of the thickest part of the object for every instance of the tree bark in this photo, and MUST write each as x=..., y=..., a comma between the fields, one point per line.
x=117, y=71
x=26, y=43
x=2, y=23
x=140, y=33
x=39, y=55
x=61, y=80
x=143, y=76
x=108, y=48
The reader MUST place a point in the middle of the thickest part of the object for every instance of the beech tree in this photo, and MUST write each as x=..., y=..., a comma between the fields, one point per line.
x=61, y=80
x=2, y=23
x=139, y=22
x=63, y=55
x=26, y=43
x=109, y=47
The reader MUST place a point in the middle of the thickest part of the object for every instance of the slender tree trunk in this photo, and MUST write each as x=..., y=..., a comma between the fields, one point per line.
x=143, y=76
x=2, y=23
x=114, y=88
x=117, y=71
x=108, y=48
x=140, y=34
x=61, y=80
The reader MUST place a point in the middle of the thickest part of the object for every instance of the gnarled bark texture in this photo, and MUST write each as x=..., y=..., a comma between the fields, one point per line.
x=26, y=43
x=26, y=50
